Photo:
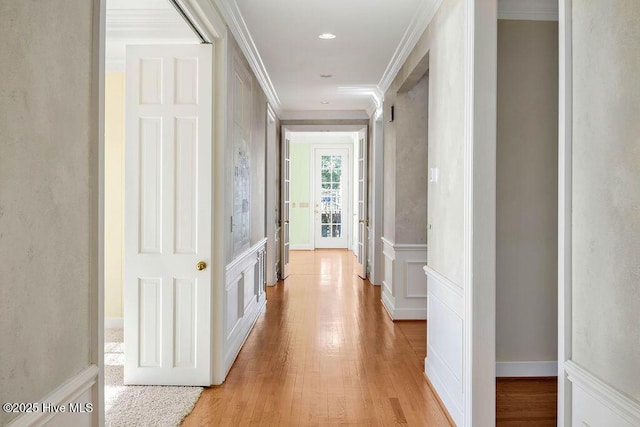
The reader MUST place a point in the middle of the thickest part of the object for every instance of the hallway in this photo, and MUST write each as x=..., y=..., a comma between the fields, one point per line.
x=324, y=353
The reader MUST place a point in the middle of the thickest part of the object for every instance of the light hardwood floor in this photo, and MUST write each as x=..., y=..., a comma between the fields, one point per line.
x=325, y=353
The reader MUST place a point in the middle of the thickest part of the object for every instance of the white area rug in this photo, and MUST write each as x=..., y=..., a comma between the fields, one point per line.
x=140, y=405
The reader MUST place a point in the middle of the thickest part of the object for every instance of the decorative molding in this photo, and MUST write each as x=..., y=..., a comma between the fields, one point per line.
x=63, y=395
x=399, y=295
x=445, y=384
x=425, y=13
x=608, y=396
x=528, y=10
x=527, y=369
x=114, y=323
x=243, y=255
x=324, y=115
x=232, y=15
x=408, y=275
x=430, y=272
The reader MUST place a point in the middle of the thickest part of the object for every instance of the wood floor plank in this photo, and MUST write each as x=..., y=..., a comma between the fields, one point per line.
x=324, y=353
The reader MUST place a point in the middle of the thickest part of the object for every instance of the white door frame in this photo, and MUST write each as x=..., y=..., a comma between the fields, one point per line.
x=479, y=355
x=565, y=140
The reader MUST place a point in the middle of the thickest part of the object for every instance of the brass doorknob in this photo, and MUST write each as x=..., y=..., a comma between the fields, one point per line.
x=201, y=266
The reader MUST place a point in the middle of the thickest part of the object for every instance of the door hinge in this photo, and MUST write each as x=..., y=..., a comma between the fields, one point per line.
x=231, y=223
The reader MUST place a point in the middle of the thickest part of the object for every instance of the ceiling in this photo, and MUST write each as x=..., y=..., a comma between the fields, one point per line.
x=285, y=34
x=280, y=38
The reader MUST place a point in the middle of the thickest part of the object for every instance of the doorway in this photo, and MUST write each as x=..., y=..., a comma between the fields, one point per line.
x=321, y=201
x=152, y=70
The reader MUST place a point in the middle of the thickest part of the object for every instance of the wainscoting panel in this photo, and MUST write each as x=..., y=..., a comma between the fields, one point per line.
x=445, y=341
x=404, y=287
x=596, y=403
x=244, y=300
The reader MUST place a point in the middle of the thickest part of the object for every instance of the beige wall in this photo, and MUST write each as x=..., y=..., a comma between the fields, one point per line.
x=412, y=116
x=113, y=183
x=441, y=49
x=48, y=197
x=606, y=191
x=527, y=182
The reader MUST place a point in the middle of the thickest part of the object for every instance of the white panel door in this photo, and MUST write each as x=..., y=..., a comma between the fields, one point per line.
x=286, y=184
x=363, y=218
x=331, y=209
x=167, y=284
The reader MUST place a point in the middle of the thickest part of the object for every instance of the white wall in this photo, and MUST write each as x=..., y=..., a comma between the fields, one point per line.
x=527, y=198
x=48, y=197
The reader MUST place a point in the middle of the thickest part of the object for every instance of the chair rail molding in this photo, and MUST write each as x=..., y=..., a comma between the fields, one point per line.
x=597, y=403
x=77, y=390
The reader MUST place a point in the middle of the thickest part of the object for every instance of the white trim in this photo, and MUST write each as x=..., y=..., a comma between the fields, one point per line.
x=403, y=247
x=430, y=272
x=232, y=15
x=564, y=211
x=478, y=378
x=527, y=369
x=97, y=299
x=113, y=323
x=63, y=395
x=324, y=115
x=421, y=19
x=606, y=395
x=528, y=10
x=240, y=258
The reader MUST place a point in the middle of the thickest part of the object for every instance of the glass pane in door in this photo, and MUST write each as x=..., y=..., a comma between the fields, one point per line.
x=331, y=196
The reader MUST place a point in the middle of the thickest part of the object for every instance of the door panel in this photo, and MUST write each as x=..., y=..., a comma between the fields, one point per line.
x=331, y=208
x=167, y=301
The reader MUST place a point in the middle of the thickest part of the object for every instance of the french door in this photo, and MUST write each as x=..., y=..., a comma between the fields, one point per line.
x=332, y=198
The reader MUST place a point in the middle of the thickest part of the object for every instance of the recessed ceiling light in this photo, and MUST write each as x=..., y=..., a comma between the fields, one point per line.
x=324, y=102
x=327, y=36
x=326, y=76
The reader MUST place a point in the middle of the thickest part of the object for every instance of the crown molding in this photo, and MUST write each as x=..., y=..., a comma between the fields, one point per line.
x=418, y=25
x=528, y=10
x=324, y=115
x=233, y=17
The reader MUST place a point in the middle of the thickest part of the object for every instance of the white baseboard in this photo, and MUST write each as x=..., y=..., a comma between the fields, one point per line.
x=77, y=390
x=527, y=369
x=113, y=323
x=597, y=403
x=409, y=314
